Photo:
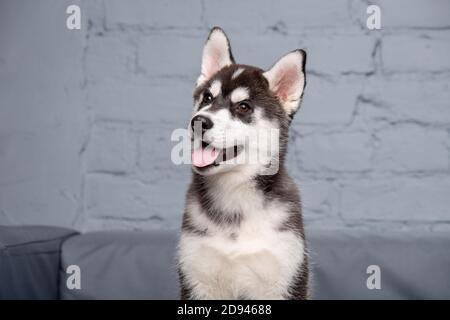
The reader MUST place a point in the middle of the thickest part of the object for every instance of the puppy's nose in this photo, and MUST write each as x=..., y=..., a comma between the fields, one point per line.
x=205, y=122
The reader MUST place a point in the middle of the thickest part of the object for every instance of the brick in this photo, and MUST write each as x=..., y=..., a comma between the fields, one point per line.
x=294, y=16
x=95, y=15
x=155, y=150
x=330, y=55
x=329, y=223
x=326, y=102
x=110, y=196
x=337, y=54
x=51, y=201
x=340, y=151
x=319, y=198
x=110, y=56
x=409, y=53
x=414, y=14
x=142, y=100
x=154, y=14
x=258, y=49
x=418, y=100
x=373, y=115
x=111, y=148
x=408, y=148
x=396, y=199
x=171, y=54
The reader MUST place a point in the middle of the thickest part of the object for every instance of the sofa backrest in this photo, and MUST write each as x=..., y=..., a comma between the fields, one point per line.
x=30, y=260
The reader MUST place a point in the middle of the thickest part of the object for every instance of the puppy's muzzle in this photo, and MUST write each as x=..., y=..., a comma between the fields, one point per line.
x=201, y=124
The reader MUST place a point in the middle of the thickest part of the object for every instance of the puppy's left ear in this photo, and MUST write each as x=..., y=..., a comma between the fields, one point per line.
x=287, y=80
x=216, y=54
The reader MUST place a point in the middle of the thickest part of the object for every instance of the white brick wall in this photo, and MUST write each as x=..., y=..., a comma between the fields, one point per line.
x=415, y=13
x=157, y=14
x=293, y=16
x=420, y=52
x=85, y=134
x=336, y=151
x=112, y=148
x=399, y=198
x=409, y=148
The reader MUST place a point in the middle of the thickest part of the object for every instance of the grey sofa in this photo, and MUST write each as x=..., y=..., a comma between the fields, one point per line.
x=140, y=265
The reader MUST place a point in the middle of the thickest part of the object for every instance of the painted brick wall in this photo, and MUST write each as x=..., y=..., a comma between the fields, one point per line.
x=86, y=116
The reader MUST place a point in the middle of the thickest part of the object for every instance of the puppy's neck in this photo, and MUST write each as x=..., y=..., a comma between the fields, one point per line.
x=234, y=193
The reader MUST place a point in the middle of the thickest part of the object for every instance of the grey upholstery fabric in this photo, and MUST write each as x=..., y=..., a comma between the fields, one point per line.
x=140, y=265
x=413, y=266
x=121, y=265
x=29, y=261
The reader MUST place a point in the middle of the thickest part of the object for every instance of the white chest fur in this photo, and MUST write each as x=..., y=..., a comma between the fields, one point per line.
x=255, y=260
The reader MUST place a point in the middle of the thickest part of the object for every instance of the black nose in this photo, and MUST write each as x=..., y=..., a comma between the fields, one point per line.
x=205, y=122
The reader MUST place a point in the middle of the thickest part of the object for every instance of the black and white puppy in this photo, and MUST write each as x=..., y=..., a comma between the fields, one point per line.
x=242, y=232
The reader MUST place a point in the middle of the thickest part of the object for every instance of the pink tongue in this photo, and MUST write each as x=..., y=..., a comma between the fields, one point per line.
x=203, y=157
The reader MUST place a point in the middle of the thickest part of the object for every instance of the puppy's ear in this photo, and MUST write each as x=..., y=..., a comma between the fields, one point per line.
x=216, y=54
x=287, y=80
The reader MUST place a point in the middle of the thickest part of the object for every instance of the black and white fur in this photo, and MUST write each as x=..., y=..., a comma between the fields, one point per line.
x=242, y=232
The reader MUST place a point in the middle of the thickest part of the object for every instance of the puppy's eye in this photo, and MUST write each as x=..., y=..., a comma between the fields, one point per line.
x=243, y=107
x=207, y=97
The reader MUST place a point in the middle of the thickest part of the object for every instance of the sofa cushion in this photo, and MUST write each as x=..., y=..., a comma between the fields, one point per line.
x=29, y=261
x=121, y=265
x=141, y=265
x=413, y=265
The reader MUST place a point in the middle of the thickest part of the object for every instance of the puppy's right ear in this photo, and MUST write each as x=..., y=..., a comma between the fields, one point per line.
x=216, y=55
x=287, y=80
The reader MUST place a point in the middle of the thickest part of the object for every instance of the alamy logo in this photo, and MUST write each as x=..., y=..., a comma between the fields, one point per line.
x=74, y=278
x=374, y=280
x=255, y=147
x=73, y=21
x=373, y=21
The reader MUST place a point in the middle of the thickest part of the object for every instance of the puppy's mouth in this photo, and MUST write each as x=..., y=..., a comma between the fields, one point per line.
x=206, y=156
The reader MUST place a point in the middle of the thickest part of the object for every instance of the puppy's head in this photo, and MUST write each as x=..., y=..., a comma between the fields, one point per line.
x=242, y=113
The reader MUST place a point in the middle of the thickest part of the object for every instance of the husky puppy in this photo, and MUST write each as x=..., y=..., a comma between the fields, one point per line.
x=242, y=232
